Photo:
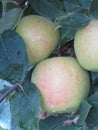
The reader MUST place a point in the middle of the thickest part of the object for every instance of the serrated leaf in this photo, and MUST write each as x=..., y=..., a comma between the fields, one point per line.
x=73, y=21
x=92, y=119
x=93, y=7
x=5, y=115
x=76, y=6
x=72, y=5
x=13, y=57
x=25, y=108
x=85, y=4
x=10, y=20
x=93, y=10
x=47, y=8
x=69, y=24
x=83, y=112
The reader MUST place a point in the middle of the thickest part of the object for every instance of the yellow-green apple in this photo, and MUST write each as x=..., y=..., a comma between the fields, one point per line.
x=63, y=84
x=40, y=36
x=86, y=46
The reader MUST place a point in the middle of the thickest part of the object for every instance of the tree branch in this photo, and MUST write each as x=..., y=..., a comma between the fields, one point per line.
x=9, y=91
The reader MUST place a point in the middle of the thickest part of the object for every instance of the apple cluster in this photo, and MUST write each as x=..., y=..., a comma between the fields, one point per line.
x=63, y=82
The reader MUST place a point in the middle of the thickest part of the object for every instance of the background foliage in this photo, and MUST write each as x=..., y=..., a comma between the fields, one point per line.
x=19, y=99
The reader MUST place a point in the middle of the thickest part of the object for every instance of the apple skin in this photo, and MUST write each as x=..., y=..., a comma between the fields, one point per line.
x=40, y=36
x=86, y=46
x=62, y=83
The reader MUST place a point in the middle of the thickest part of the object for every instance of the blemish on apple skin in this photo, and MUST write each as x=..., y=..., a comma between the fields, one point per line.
x=39, y=21
x=41, y=40
x=38, y=37
x=43, y=115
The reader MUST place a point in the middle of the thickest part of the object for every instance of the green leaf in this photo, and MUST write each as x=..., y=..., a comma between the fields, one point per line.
x=69, y=127
x=51, y=122
x=76, y=6
x=94, y=76
x=85, y=4
x=93, y=7
x=92, y=119
x=4, y=84
x=5, y=115
x=93, y=10
x=83, y=112
x=73, y=21
x=10, y=20
x=93, y=100
x=25, y=108
x=67, y=34
x=72, y=5
x=0, y=9
x=47, y=8
x=13, y=57
x=69, y=24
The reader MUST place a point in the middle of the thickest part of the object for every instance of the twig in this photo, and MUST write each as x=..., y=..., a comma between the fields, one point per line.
x=9, y=91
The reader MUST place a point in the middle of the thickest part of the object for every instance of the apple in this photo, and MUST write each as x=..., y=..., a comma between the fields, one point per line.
x=63, y=84
x=86, y=46
x=40, y=36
